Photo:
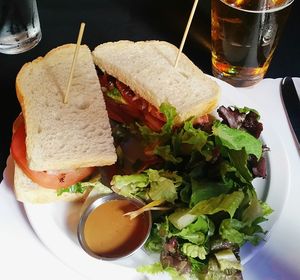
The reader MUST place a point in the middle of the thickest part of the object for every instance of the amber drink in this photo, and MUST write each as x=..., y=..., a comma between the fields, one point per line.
x=244, y=36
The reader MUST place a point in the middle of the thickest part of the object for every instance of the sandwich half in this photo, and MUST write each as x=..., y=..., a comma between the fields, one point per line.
x=144, y=75
x=59, y=144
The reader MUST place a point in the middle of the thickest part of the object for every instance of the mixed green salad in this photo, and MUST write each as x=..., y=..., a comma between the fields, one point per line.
x=204, y=176
x=201, y=174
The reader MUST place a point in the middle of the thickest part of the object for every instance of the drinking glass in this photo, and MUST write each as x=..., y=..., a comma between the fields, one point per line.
x=19, y=26
x=244, y=36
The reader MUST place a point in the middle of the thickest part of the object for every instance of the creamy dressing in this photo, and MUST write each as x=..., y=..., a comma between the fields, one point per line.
x=109, y=233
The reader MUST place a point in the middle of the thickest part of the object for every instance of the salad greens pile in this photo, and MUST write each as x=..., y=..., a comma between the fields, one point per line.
x=201, y=172
x=204, y=176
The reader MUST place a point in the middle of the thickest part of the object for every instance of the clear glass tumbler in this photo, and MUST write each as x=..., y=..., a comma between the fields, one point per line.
x=19, y=26
x=244, y=36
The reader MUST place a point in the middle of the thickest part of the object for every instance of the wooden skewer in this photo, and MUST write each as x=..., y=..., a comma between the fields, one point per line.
x=148, y=207
x=186, y=32
x=134, y=214
x=80, y=34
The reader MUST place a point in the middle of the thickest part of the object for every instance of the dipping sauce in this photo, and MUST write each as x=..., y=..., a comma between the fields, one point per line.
x=110, y=234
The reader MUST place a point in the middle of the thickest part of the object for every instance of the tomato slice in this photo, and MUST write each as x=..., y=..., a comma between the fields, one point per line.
x=131, y=111
x=202, y=120
x=106, y=81
x=53, y=180
x=126, y=92
x=115, y=116
x=116, y=113
x=153, y=123
x=136, y=108
x=133, y=100
x=156, y=113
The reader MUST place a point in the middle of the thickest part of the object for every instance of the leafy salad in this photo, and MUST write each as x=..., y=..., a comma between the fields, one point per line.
x=204, y=176
x=201, y=174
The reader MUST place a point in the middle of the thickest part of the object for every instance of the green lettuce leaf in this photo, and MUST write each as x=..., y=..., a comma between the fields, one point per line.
x=170, y=113
x=239, y=160
x=158, y=268
x=115, y=95
x=165, y=134
x=214, y=272
x=158, y=233
x=151, y=184
x=239, y=233
x=198, y=267
x=230, y=230
x=129, y=185
x=194, y=251
x=181, y=218
x=81, y=187
x=195, y=237
x=151, y=269
x=195, y=137
x=195, y=232
x=224, y=202
x=267, y=210
x=227, y=260
x=163, y=185
x=247, y=110
x=236, y=139
x=76, y=188
x=164, y=189
x=228, y=173
x=203, y=190
x=253, y=208
x=165, y=153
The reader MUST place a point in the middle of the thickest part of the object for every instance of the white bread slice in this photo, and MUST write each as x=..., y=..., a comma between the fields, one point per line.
x=64, y=136
x=30, y=192
x=147, y=67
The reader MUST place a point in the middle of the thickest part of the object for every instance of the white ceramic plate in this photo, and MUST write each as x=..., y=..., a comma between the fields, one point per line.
x=55, y=224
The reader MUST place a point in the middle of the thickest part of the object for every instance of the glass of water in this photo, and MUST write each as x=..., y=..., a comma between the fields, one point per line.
x=19, y=26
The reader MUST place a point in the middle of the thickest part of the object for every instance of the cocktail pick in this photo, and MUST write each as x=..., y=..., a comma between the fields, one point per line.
x=186, y=32
x=80, y=34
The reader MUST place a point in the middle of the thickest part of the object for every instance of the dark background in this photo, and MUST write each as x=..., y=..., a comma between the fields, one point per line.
x=111, y=20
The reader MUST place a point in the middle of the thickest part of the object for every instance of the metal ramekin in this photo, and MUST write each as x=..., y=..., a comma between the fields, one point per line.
x=93, y=205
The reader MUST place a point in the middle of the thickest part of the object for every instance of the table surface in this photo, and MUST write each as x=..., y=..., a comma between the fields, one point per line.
x=111, y=20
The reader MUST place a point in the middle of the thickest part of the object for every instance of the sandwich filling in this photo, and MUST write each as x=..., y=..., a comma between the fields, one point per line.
x=125, y=106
